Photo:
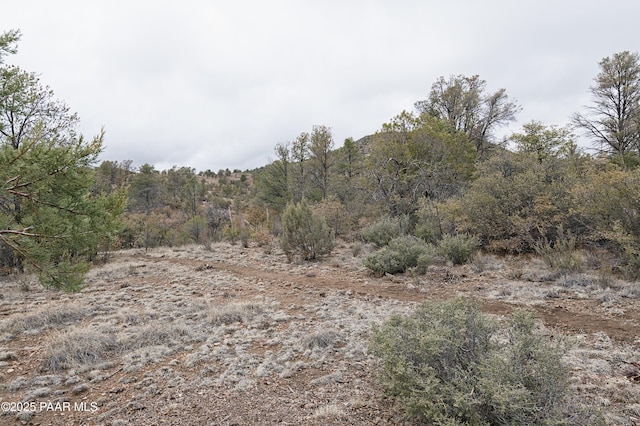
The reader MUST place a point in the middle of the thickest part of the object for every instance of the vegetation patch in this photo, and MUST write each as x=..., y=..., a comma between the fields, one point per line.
x=560, y=256
x=401, y=254
x=382, y=232
x=458, y=249
x=322, y=339
x=79, y=348
x=160, y=334
x=449, y=364
x=305, y=233
x=235, y=312
x=47, y=317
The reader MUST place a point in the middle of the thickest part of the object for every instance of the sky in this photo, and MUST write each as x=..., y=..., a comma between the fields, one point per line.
x=217, y=84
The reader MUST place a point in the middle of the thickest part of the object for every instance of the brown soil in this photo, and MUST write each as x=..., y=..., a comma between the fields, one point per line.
x=266, y=369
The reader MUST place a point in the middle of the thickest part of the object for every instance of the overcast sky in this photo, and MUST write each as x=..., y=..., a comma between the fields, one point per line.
x=217, y=84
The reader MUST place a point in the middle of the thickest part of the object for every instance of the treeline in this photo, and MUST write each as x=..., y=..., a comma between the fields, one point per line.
x=435, y=174
x=437, y=171
x=176, y=206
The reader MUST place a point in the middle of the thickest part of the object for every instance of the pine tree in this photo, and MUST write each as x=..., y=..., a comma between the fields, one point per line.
x=50, y=223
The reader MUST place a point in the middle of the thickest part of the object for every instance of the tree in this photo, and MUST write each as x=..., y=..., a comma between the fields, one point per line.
x=8, y=43
x=145, y=189
x=515, y=201
x=216, y=215
x=544, y=141
x=350, y=161
x=607, y=201
x=613, y=121
x=192, y=194
x=445, y=160
x=462, y=102
x=112, y=176
x=321, y=150
x=389, y=165
x=49, y=220
x=347, y=179
x=413, y=158
x=283, y=154
x=25, y=104
x=58, y=225
x=184, y=189
x=304, y=233
x=299, y=156
x=196, y=229
x=273, y=181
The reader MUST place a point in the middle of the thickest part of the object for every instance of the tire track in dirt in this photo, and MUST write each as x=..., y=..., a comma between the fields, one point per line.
x=575, y=316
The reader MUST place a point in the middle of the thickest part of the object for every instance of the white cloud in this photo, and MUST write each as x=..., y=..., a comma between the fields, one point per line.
x=216, y=84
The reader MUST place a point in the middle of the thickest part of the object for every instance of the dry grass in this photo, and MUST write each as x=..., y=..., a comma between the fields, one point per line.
x=160, y=333
x=328, y=411
x=226, y=333
x=235, y=312
x=8, y=356
x=78, y=348
x=598, y=377
x=321, y=339
x=47, y=317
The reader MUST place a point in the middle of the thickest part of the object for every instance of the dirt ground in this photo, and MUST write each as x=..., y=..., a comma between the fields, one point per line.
x=237, y=336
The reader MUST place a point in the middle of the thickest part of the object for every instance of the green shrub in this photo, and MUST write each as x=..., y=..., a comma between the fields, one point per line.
x=196, y=229
x=384, y=261
x=524, y=380
x=400, y=254
x=459, y=249
x=304, y=233
x=382, y=232
x=515, y=200
x=413, y=252
x=632, y=262
x=428, y=225
x=232, y=233
x=428, y=233
x=608, y=203
x=446, y=366
x=425, y=260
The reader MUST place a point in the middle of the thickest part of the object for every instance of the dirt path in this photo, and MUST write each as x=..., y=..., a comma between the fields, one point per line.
x=566, y=315
x=239, y=336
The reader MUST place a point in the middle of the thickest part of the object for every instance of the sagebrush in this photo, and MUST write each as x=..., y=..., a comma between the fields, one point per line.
x=401, y=254
x=459, y=249
x=448, y=364
x=382, y=232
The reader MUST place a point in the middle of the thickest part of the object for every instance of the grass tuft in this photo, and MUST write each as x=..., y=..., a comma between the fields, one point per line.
x=235, y=312
x=78, y=348
x=322, y=339
x=46, y=318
